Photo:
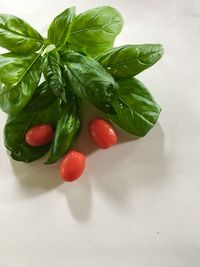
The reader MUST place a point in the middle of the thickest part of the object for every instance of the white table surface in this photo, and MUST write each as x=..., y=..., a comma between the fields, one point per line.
x=138, y=204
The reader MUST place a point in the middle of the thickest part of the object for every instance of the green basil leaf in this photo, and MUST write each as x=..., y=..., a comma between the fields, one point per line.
x=42, y=98
x=59, y=30
x=89, y=80
x=19, y=77
x=16, y=128
x=129, y=60
x=95, y=30
x=18, y=36
x=136, y=110
x=52, y=69
x=106, y=107
x=67, y=131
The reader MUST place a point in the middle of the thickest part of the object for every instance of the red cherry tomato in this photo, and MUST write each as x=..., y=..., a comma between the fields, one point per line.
x=39, y=135
x=102, y=133
x=72, y=166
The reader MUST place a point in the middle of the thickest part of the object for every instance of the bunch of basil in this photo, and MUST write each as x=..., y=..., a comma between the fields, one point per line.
x=78, y=62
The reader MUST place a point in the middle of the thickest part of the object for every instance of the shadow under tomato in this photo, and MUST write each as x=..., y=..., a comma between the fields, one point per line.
x=78, y=197
x=36, y=179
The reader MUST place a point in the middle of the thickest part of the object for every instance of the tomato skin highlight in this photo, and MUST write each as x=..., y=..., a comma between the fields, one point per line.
x=72, y=166
x=102, y=133
x=39, y=135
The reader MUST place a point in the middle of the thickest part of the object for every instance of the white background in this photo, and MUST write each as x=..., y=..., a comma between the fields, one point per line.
x=138, y=204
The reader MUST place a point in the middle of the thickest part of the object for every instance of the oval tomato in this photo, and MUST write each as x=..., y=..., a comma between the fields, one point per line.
x=102, y=133
x=72, y=166
x=39, y=135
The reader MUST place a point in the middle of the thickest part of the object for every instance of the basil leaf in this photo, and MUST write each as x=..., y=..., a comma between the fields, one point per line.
x=106, y=107
x=67, y=131
x=136, y=110
x=16, y=128
x=19, y=77
x=95, y=30
x=129, y=60
x=89, y=80
x=52, y=69
x=42, y=98
x=59, y=30
x=18, y=36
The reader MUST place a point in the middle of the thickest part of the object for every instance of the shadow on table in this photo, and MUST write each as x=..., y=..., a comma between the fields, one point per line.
x=147, y=158
x=36, y=178
x=79, y=197
x=148, y=167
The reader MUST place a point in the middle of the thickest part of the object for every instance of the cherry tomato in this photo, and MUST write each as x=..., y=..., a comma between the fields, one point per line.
x=39, y=135
x=102, y=133
x=72, y=166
